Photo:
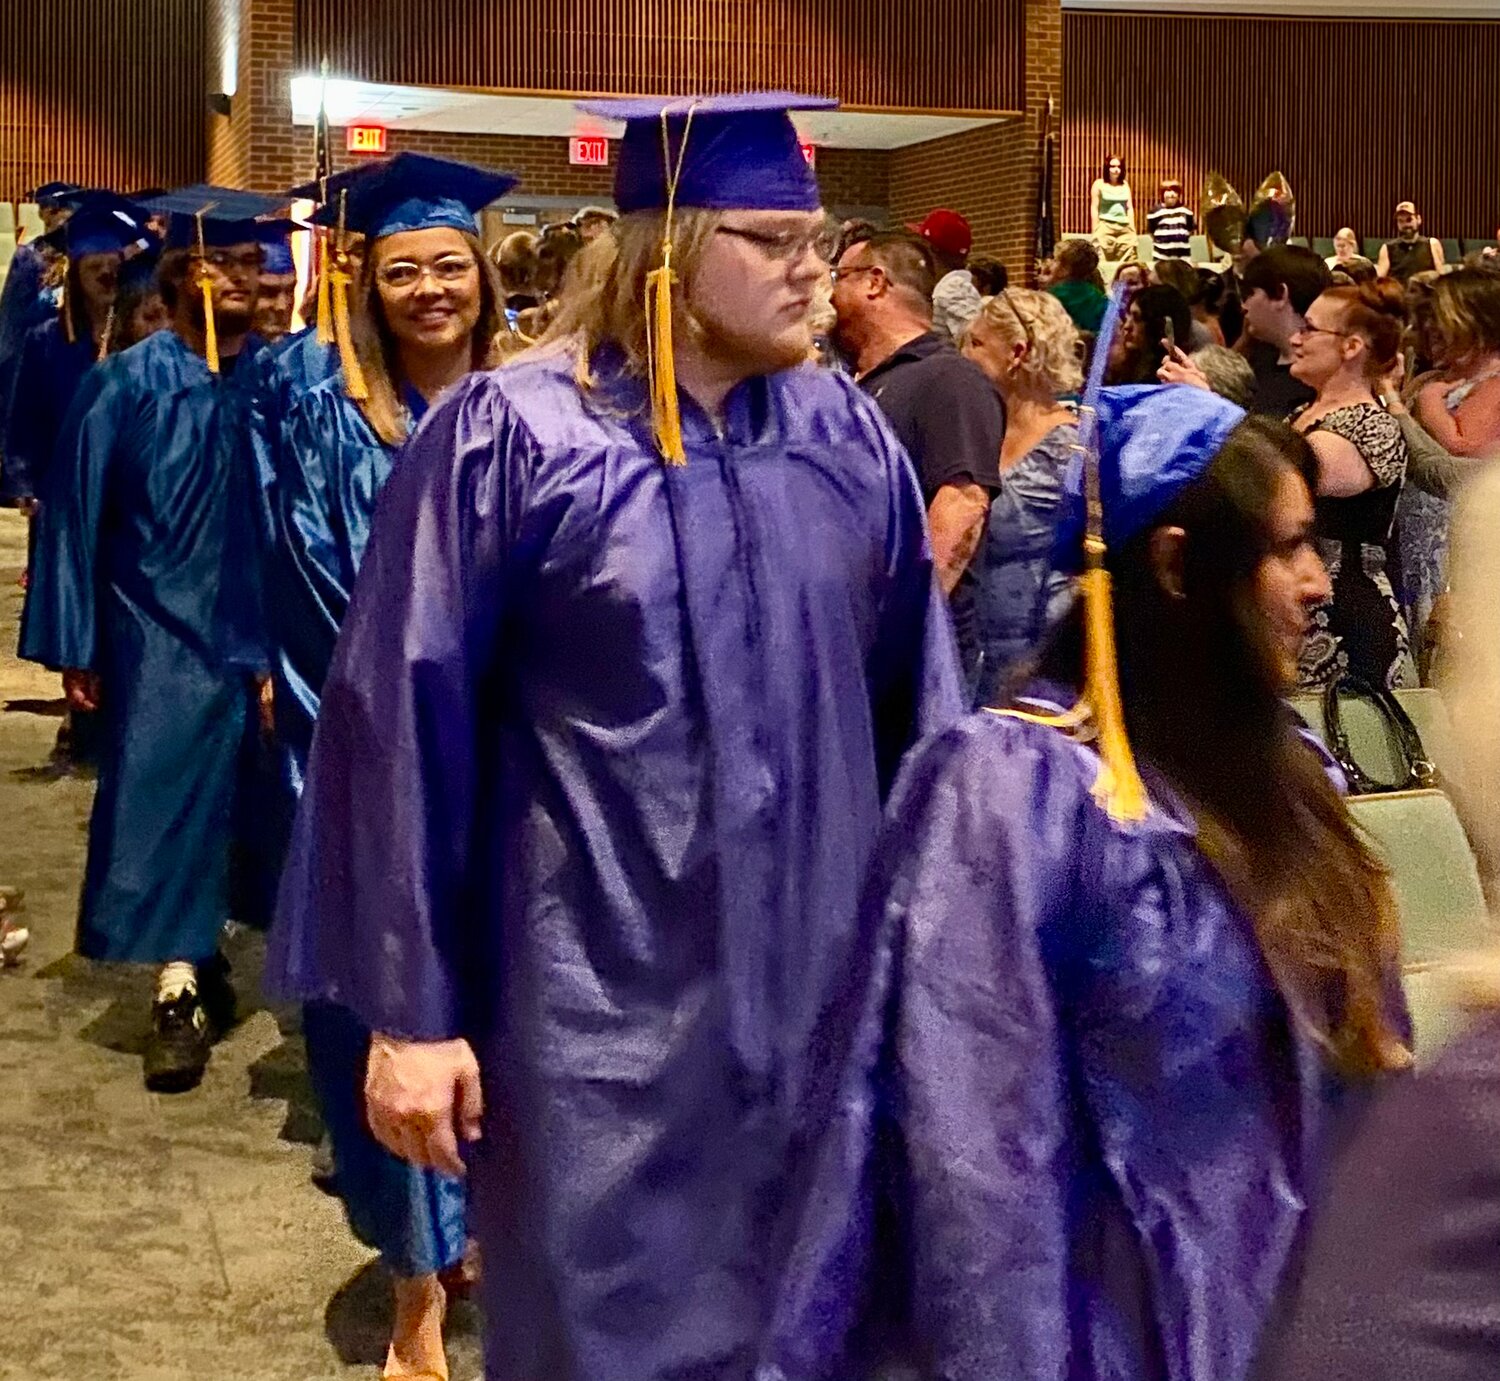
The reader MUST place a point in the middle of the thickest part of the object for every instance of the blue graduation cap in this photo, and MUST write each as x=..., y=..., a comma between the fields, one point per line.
x=54, y=195
x=101, y=223
x=212, y=217
x=276, y=250
x=1154, y=440
x=409, y=191
x=719, y=153
x=138, y=272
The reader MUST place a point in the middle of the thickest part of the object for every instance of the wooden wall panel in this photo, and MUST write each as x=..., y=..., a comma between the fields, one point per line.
x=104, y=92
x=1358, y=114
x=899, y=54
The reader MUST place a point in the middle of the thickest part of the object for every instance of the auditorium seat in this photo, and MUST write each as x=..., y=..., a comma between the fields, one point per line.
x=1323, y=247
x=1198, y=248
x=1441, y=904
x=1452, y=251
x=1373, y=244
x=1474, y=246
x=1370, y=742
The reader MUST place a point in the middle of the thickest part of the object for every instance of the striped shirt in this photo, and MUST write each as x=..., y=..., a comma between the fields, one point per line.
x=1171, y=229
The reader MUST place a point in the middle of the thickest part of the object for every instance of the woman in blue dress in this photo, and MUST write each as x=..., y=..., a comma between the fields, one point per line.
x=1113, y=1007
x=426, y=312
x=1028, y=346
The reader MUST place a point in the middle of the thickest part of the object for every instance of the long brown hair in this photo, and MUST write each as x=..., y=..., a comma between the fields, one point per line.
x=377, y=350
x=1203, y=705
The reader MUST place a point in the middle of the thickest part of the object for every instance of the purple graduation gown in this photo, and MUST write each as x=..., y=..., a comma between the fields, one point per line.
x=598, y=769
x=1098, y=1127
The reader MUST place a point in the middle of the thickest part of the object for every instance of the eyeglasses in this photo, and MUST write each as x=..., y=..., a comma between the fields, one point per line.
x=246, y=261
x=1310, y=330
x=788, y=247
x=839, y=275
x=402, y=275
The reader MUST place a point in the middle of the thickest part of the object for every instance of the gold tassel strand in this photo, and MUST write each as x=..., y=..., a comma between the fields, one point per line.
x=354, y=376
x=63, y=306
x=1118, y=788
x=109, y=331
x=661, y=363
x=206, y=287
x=325, y=272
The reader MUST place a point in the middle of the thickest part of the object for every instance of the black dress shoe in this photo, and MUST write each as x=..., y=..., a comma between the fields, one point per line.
x=178, y=1047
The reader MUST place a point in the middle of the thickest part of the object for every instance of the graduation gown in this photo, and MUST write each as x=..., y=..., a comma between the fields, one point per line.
x=598, y=771
x=1100, y=1126
x=48, y=371
x=125, y=582
x=329, y=465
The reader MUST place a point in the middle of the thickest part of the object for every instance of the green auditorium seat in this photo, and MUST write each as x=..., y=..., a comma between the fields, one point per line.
x=1441, y=904
x=1452, y=251
x=1370, y=740
x=1299, y=240
x=1373, y=244
x=1323, y=247
x=1474, y=246
x=1198, y=248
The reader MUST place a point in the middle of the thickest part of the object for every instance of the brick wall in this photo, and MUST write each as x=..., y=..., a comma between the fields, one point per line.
x=253, y=145
x=990, y=175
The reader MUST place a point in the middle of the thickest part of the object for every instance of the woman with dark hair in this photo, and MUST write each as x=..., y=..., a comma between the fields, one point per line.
x=1107, y=1022
x=1112, y=204
x=427, y=312
x=1155, y=314
x=1350, y=339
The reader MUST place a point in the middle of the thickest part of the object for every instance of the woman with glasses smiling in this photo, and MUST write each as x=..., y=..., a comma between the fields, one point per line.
x=427, y=311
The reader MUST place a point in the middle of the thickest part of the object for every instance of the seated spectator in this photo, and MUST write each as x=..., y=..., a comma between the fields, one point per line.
x=1133, y=277
x=1411, y=251
x=592, y=222
x=1155, y=317
x=1349, y=340
x=1077, y=285
x=559, y=244
x=1461, y=407
x=1171, y=225
x=1346, y=253
x=1028, y=346
x=955, y=299
x=990, y=275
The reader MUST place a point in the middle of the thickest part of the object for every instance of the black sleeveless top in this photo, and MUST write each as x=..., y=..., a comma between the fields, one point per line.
x=1409, y=256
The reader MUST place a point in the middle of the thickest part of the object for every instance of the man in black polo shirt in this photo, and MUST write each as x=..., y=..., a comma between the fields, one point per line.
x=1277, y=287
x=946, y=412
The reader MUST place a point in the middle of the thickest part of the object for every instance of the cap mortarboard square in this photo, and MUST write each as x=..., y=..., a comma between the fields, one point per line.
x=227, y=214
x=101, y=223
x=411, y=191
x=56, y=194
x=742, y=151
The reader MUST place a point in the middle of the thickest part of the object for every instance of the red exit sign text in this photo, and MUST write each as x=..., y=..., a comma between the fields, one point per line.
x=365, y=139
x=810, y=153
x=588, y=151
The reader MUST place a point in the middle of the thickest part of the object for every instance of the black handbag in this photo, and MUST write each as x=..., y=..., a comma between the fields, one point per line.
x=1419, y=771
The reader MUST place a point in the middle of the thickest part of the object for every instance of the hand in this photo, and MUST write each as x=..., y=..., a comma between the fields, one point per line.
x=1178, y=368
x=421, y=1097
x=1391, y=383
x=29, y=508
x=83, y=690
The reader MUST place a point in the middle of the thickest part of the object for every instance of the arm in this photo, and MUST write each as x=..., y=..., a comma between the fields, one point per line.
x=1135, y=229
x=1342, y=471
x=1383, y=263
x=956, y=519
x=1448, y=429
x=1439, y=261
x=1094, y=203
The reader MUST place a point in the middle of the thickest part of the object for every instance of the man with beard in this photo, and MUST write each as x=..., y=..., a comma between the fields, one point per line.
x=1410, y=252
x=278, y=289
x=123, y=600
x=645, y=624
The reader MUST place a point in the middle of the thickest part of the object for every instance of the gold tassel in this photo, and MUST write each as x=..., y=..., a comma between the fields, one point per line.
x=661, y=363
x=69, y=334
x=206, y=287
x=109, y=331
x=354, y=375
x=1118, y=787
x=666, y=415
x=325, y=305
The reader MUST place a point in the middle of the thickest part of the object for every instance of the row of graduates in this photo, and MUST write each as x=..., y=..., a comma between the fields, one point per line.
x=648, y=872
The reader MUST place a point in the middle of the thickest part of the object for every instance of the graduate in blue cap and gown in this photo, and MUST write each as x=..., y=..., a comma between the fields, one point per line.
x=276, y=299
x=423, y=312
x=56, y=354
x=123, y=602
x=1125, y=962
x=645, y=624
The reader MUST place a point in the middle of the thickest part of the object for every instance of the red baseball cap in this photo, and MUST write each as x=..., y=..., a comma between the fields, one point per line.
x=946, y=231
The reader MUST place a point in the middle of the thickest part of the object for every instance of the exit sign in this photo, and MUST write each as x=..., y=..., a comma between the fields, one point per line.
x=588, y=151
x=365, y=139
x=810, y=153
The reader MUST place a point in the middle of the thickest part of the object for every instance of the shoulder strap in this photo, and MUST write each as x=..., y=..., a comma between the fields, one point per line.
x=1420, y=773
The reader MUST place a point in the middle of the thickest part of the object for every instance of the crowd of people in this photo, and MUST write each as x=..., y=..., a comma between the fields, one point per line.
x=768, y=743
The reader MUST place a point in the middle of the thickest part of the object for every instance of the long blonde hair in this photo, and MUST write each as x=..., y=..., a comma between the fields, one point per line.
x=377, y=351
x=604, y=292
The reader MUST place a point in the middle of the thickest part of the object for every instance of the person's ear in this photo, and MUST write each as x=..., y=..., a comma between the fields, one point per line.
x=1169, y=560
x=1018, y=353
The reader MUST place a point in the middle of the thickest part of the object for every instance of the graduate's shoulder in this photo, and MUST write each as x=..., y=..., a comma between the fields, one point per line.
x=832, y=403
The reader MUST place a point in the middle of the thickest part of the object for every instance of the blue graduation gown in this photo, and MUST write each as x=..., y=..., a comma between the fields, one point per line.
x=1105, y=1124
x=599, y=768
x=126, y=577
x=23, y=305
x=48, y=371
x=328, y=468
